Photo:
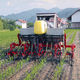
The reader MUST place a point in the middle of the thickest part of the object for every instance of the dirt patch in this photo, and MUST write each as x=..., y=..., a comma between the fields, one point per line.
x=22, y=71
x=76, y=66
x=43, y=72
x=50, y=74
x=4, y=67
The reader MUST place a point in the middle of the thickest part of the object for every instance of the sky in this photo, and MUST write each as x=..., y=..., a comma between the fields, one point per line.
x=15, y=6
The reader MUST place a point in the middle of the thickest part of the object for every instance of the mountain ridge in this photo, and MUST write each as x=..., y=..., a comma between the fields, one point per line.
x=30, y=15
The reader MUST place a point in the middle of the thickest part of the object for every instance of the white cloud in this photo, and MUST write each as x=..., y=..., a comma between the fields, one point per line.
x=8, y=3
x=12, y=6
x=50, y=1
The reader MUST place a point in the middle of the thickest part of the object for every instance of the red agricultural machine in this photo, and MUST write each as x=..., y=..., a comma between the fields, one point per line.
x=45, y=38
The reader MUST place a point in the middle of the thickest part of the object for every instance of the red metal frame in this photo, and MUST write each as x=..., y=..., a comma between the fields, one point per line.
x=56, y=48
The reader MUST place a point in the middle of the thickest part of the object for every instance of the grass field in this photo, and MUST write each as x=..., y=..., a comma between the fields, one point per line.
x=7, y=37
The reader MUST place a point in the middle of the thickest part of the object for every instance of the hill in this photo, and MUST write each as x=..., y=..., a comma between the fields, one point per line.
x=30, y=15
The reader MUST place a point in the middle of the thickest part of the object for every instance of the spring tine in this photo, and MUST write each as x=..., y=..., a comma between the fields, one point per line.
x=51, y=45
x=31, y=47
x=46, y=46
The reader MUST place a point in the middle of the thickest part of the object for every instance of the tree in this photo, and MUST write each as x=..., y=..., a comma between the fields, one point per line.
x=30, y=24
x=1, y=25
x=5, y=24
x=11, y=27
x=9, y=24
x=18, y=26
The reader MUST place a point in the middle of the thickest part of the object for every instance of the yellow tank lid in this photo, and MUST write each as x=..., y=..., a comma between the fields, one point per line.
x=40, y=27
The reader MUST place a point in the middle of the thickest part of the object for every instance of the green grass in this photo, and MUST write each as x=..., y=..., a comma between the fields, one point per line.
x=67, y=31
x=73, y=37
x=7, y=37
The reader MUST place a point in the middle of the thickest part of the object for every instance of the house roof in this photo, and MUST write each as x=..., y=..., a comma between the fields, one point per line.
x=46, y=14
x=22, y=21
x=74, y=13
x=66, y=13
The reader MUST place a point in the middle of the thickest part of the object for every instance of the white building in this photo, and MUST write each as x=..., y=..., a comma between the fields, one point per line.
x=75, y=19
x=22, y=23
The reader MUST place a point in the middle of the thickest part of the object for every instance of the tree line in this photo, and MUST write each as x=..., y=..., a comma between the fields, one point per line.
x=10, y=25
